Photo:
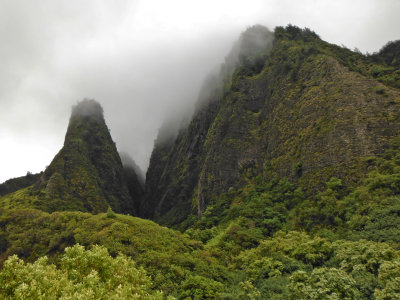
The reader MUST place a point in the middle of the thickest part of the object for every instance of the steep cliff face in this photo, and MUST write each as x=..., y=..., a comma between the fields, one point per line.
x=87, y=173
x=309, y=111
x=177, y=162
x=134, y=180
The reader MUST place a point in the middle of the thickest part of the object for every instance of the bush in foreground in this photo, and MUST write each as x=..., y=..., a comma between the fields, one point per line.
x=82, y=274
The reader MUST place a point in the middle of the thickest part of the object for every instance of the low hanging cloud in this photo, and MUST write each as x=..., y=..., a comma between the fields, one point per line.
x=144, y=61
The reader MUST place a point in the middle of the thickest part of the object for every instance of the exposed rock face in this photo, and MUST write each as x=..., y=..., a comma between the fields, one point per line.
x=87, y=173
x=303, y=115
x=177, y=160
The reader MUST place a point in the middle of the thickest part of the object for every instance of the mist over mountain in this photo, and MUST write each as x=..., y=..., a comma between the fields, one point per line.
x=128, y=162
x=55, y=54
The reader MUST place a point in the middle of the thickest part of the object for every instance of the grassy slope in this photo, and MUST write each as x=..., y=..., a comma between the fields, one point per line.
x=169, y=257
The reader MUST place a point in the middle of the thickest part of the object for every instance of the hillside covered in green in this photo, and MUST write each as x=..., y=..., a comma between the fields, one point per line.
x=284, y=185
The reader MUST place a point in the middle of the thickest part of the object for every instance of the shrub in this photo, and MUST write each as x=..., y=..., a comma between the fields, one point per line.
x=83, y=274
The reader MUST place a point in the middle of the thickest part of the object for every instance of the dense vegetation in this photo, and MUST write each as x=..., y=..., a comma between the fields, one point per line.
x=170, y=258
x=15, y=184
x=342, y=244
x=91, y=274
x=294, y=196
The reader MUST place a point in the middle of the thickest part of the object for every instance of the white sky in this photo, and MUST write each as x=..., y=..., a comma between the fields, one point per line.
x=142, y=60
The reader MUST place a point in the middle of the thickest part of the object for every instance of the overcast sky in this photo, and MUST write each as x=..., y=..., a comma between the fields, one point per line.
x=142, y=60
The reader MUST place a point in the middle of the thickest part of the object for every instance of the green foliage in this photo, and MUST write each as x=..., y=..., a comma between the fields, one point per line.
x=322, y=283
x=296, y=265
x=298, y=168
x=294, y=245
x=368, y=210
x=91, y=274
x=389, y=280
x=383, y=65
x=110, y=213
x=389, y=54
x=363, y=255
x=241, y=218
x=199, y=287
x=295, y=33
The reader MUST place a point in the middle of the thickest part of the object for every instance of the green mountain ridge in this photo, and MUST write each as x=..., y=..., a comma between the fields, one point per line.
x=312, y=111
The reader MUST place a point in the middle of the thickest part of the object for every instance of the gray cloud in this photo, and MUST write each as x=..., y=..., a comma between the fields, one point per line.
x=142, y=60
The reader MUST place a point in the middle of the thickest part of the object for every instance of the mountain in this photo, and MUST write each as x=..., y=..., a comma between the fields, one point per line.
x=285, y=184
x=43, y=214
x=293, y=107
x=87, y=173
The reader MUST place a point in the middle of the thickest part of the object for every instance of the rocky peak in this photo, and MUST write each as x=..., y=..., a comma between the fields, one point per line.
x=87, y=173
